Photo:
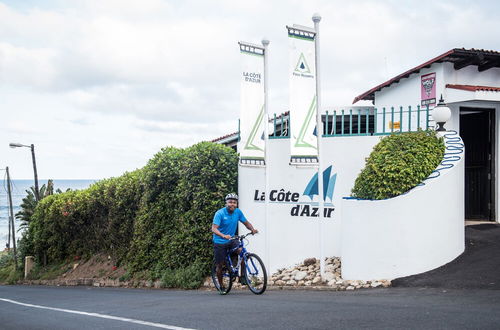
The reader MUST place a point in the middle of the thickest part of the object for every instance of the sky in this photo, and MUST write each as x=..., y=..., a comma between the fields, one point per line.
x=99, y=86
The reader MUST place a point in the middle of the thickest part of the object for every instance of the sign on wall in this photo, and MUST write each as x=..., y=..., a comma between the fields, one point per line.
x=302, y=73
x=302, y=200
x=252, y=117
x=292, y=229
x=428, y=89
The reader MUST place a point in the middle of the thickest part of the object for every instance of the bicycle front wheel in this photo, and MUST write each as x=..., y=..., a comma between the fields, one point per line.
x=227, y=279
x=255, y=274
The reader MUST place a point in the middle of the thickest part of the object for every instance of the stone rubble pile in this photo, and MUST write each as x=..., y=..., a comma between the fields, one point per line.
x=308, y=274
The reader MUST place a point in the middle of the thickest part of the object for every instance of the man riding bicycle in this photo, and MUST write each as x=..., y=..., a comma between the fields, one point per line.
x=224, y=227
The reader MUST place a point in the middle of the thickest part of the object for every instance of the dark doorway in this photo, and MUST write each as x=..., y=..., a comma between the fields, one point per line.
x=477, y=129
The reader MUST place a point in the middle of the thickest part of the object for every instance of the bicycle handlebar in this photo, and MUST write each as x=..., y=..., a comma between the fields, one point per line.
x=242, y=236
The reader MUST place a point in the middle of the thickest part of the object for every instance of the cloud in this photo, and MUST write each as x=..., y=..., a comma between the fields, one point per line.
x=81, y=121
x=23, y=66
x=116, y=80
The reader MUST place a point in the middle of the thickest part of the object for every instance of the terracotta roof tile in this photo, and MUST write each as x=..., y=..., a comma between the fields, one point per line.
x=225, y=136
x=461, y=57
x=473, y=88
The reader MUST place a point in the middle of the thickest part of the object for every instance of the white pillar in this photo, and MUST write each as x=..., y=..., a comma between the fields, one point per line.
x=319, y=131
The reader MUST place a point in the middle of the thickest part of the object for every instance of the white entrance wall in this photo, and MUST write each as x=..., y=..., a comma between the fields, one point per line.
x=292, y=233
x=409, y=234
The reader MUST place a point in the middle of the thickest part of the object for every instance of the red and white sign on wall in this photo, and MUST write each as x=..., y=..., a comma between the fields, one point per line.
x=428, y=89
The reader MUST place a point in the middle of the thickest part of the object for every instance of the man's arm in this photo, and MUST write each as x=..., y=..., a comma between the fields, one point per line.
x=216, y=231
x=250, y=227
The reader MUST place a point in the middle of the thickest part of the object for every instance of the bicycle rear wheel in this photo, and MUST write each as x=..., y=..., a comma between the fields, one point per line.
x=255, y=274
x=227, y=279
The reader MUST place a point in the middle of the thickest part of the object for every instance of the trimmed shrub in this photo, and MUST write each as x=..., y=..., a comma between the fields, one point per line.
x=184, y=188
x=85, y=222
x=398, y=163
x=153, y=219
x=189, y=277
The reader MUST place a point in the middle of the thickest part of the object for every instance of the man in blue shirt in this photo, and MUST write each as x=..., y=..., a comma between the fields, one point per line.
x=224, y=227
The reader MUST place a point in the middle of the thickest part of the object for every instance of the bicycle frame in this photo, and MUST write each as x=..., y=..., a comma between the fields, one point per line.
x=253, y=270
x=241, y=256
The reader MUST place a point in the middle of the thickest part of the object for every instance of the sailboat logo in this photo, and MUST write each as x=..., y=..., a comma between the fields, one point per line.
x=328, y=185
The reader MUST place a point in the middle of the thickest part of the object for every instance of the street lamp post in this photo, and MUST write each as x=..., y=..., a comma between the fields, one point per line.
x=441, y=114
x=32, y=147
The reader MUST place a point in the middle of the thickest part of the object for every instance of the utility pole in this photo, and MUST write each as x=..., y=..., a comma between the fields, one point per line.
x=37, y=190
x=11, y=217
x=8, y=240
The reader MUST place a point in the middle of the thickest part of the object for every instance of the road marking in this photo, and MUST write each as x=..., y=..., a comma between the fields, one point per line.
x=104, y=316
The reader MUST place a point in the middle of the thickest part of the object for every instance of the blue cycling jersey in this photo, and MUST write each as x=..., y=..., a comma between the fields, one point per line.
x=227, y=223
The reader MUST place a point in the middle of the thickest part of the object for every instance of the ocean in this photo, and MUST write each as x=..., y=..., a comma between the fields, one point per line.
x=19, y=188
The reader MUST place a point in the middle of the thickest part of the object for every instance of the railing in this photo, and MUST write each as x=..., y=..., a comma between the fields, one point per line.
x=281, y=127
x=359, y=122
x=372, y=121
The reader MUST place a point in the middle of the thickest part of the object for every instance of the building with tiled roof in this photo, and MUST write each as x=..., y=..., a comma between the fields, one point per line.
x=469, y=81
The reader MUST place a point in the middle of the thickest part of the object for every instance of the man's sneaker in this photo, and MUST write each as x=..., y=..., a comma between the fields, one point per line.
x=222, y=289
x=243, y=280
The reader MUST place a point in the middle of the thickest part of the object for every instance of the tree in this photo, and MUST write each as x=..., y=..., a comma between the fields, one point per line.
x=29, y=203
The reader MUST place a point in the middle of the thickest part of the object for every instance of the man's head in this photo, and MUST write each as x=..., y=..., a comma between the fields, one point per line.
x=231, y=202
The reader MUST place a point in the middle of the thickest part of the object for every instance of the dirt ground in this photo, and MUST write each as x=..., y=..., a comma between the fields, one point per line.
x=477, y=268
x=99, y=266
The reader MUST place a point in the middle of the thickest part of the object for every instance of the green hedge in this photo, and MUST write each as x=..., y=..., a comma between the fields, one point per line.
x=183, y=188
x=84, y=222
x=154, y=219
x=398, y=163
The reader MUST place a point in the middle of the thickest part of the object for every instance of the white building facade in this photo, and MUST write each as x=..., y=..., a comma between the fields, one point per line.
x=399, y=236
x=469, y=81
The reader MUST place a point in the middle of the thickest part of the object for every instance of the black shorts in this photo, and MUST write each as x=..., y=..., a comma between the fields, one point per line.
x=221, y=250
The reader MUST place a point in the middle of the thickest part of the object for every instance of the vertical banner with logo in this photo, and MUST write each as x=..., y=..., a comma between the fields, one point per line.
x=428, y=89
x=252, y=117
x=302, y=73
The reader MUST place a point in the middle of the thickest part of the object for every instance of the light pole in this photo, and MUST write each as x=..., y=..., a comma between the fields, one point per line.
x=319, y=129
x=18, y=145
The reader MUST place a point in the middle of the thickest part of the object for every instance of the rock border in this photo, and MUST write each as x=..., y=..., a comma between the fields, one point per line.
x=304, y=276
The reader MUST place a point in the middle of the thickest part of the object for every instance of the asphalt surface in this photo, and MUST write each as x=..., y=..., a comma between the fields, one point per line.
x=477, y=268
x=391, y=308
x=464, y=294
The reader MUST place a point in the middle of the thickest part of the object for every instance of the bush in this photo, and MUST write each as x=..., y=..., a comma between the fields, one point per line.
x=85, y=222
x=153, y=219
x=48, y=272
x=125, y=277
x=190, y=277
x=184, y=188
x=8, y=273
x=398, y=163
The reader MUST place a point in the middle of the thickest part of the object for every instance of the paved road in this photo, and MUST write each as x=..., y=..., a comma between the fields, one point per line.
x=393, y=308
x=477, y=268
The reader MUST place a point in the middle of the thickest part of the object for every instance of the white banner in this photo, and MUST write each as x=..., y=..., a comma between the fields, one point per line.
x=252, y=117
x=302, y=72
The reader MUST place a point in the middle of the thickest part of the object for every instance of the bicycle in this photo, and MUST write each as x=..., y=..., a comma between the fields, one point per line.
x=255, y=271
